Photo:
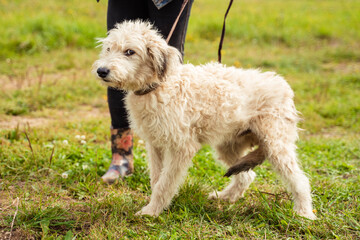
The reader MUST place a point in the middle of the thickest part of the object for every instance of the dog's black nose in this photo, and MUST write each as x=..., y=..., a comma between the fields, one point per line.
x=103, y=72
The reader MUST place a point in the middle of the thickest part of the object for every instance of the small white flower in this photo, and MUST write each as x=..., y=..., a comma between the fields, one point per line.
x=64, y=175
x=140, y=142
x=85, y=166
x=83, y=142
x=78, y=137
x=65, y=142
x=83, y=137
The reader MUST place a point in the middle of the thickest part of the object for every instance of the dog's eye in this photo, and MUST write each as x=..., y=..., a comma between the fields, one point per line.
x=129, y=52
x=108, y=49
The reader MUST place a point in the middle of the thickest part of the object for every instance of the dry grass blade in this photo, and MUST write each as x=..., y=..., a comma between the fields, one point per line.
x=28, y=139
x=16, y=211
x=51, y=156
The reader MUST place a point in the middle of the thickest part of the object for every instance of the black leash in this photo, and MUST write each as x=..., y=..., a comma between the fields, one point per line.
x=223, y=32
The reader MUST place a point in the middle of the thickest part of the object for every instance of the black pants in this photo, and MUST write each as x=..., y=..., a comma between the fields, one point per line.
x=163, y=19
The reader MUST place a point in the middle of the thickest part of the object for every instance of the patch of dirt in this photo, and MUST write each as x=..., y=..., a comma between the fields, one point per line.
x=35, y=76
x=84, y=112
x=15, y=234
x=23, y=122
x=331, y=133
x=8, y=208
x=343, y=67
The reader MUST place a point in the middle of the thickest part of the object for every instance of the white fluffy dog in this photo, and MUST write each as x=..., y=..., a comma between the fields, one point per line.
x=178, y=107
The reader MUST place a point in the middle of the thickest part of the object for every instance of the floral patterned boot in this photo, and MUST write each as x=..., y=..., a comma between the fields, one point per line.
x=122, y=163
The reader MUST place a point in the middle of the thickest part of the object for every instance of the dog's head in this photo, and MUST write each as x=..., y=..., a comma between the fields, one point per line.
x=134, y=55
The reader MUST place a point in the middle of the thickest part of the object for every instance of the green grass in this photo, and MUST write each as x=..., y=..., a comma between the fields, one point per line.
x=46, y=53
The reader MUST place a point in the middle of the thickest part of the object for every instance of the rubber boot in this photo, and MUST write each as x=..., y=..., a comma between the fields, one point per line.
x=122, y=163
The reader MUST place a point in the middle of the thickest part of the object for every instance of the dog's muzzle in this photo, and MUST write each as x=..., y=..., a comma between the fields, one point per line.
x=103, y=72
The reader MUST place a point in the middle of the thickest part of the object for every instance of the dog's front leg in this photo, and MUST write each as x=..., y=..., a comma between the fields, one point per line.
x=155, y=163
x=175, y=166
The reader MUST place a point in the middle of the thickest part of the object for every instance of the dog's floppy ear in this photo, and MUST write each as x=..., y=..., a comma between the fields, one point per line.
x=158, y=56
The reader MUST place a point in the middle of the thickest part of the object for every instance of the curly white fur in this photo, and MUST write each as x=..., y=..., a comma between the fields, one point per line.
x=193, y=105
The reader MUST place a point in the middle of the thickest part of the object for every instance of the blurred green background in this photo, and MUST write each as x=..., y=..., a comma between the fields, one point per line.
x=48, y=96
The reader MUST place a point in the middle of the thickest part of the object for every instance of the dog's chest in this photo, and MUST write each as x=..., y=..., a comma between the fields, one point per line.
x=154, y=119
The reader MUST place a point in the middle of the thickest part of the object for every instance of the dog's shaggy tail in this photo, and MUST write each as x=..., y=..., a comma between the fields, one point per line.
x=247, y=162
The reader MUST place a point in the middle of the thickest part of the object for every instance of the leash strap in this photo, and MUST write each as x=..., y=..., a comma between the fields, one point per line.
x=176, y=21
x=223, y=32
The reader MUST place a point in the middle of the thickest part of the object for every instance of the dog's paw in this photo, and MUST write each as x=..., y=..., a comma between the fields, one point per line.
x=307, y=214
x=227, y=196
x=213, y=196
x=148, y=211
x=305, y=210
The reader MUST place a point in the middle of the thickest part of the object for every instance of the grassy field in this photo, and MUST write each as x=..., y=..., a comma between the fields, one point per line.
x=49, y=179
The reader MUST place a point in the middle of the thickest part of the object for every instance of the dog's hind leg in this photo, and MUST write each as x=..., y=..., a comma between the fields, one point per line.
x=230, y=152
x=175, y=166
x=279, y=136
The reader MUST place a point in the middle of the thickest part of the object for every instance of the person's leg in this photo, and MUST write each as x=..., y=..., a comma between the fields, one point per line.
x=164, y=18
x=122, y=156
x=119, y=11
x=121, y=135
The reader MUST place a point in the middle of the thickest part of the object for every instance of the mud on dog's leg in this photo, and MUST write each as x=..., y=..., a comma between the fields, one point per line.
x=175, y=166
x=155, y=158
